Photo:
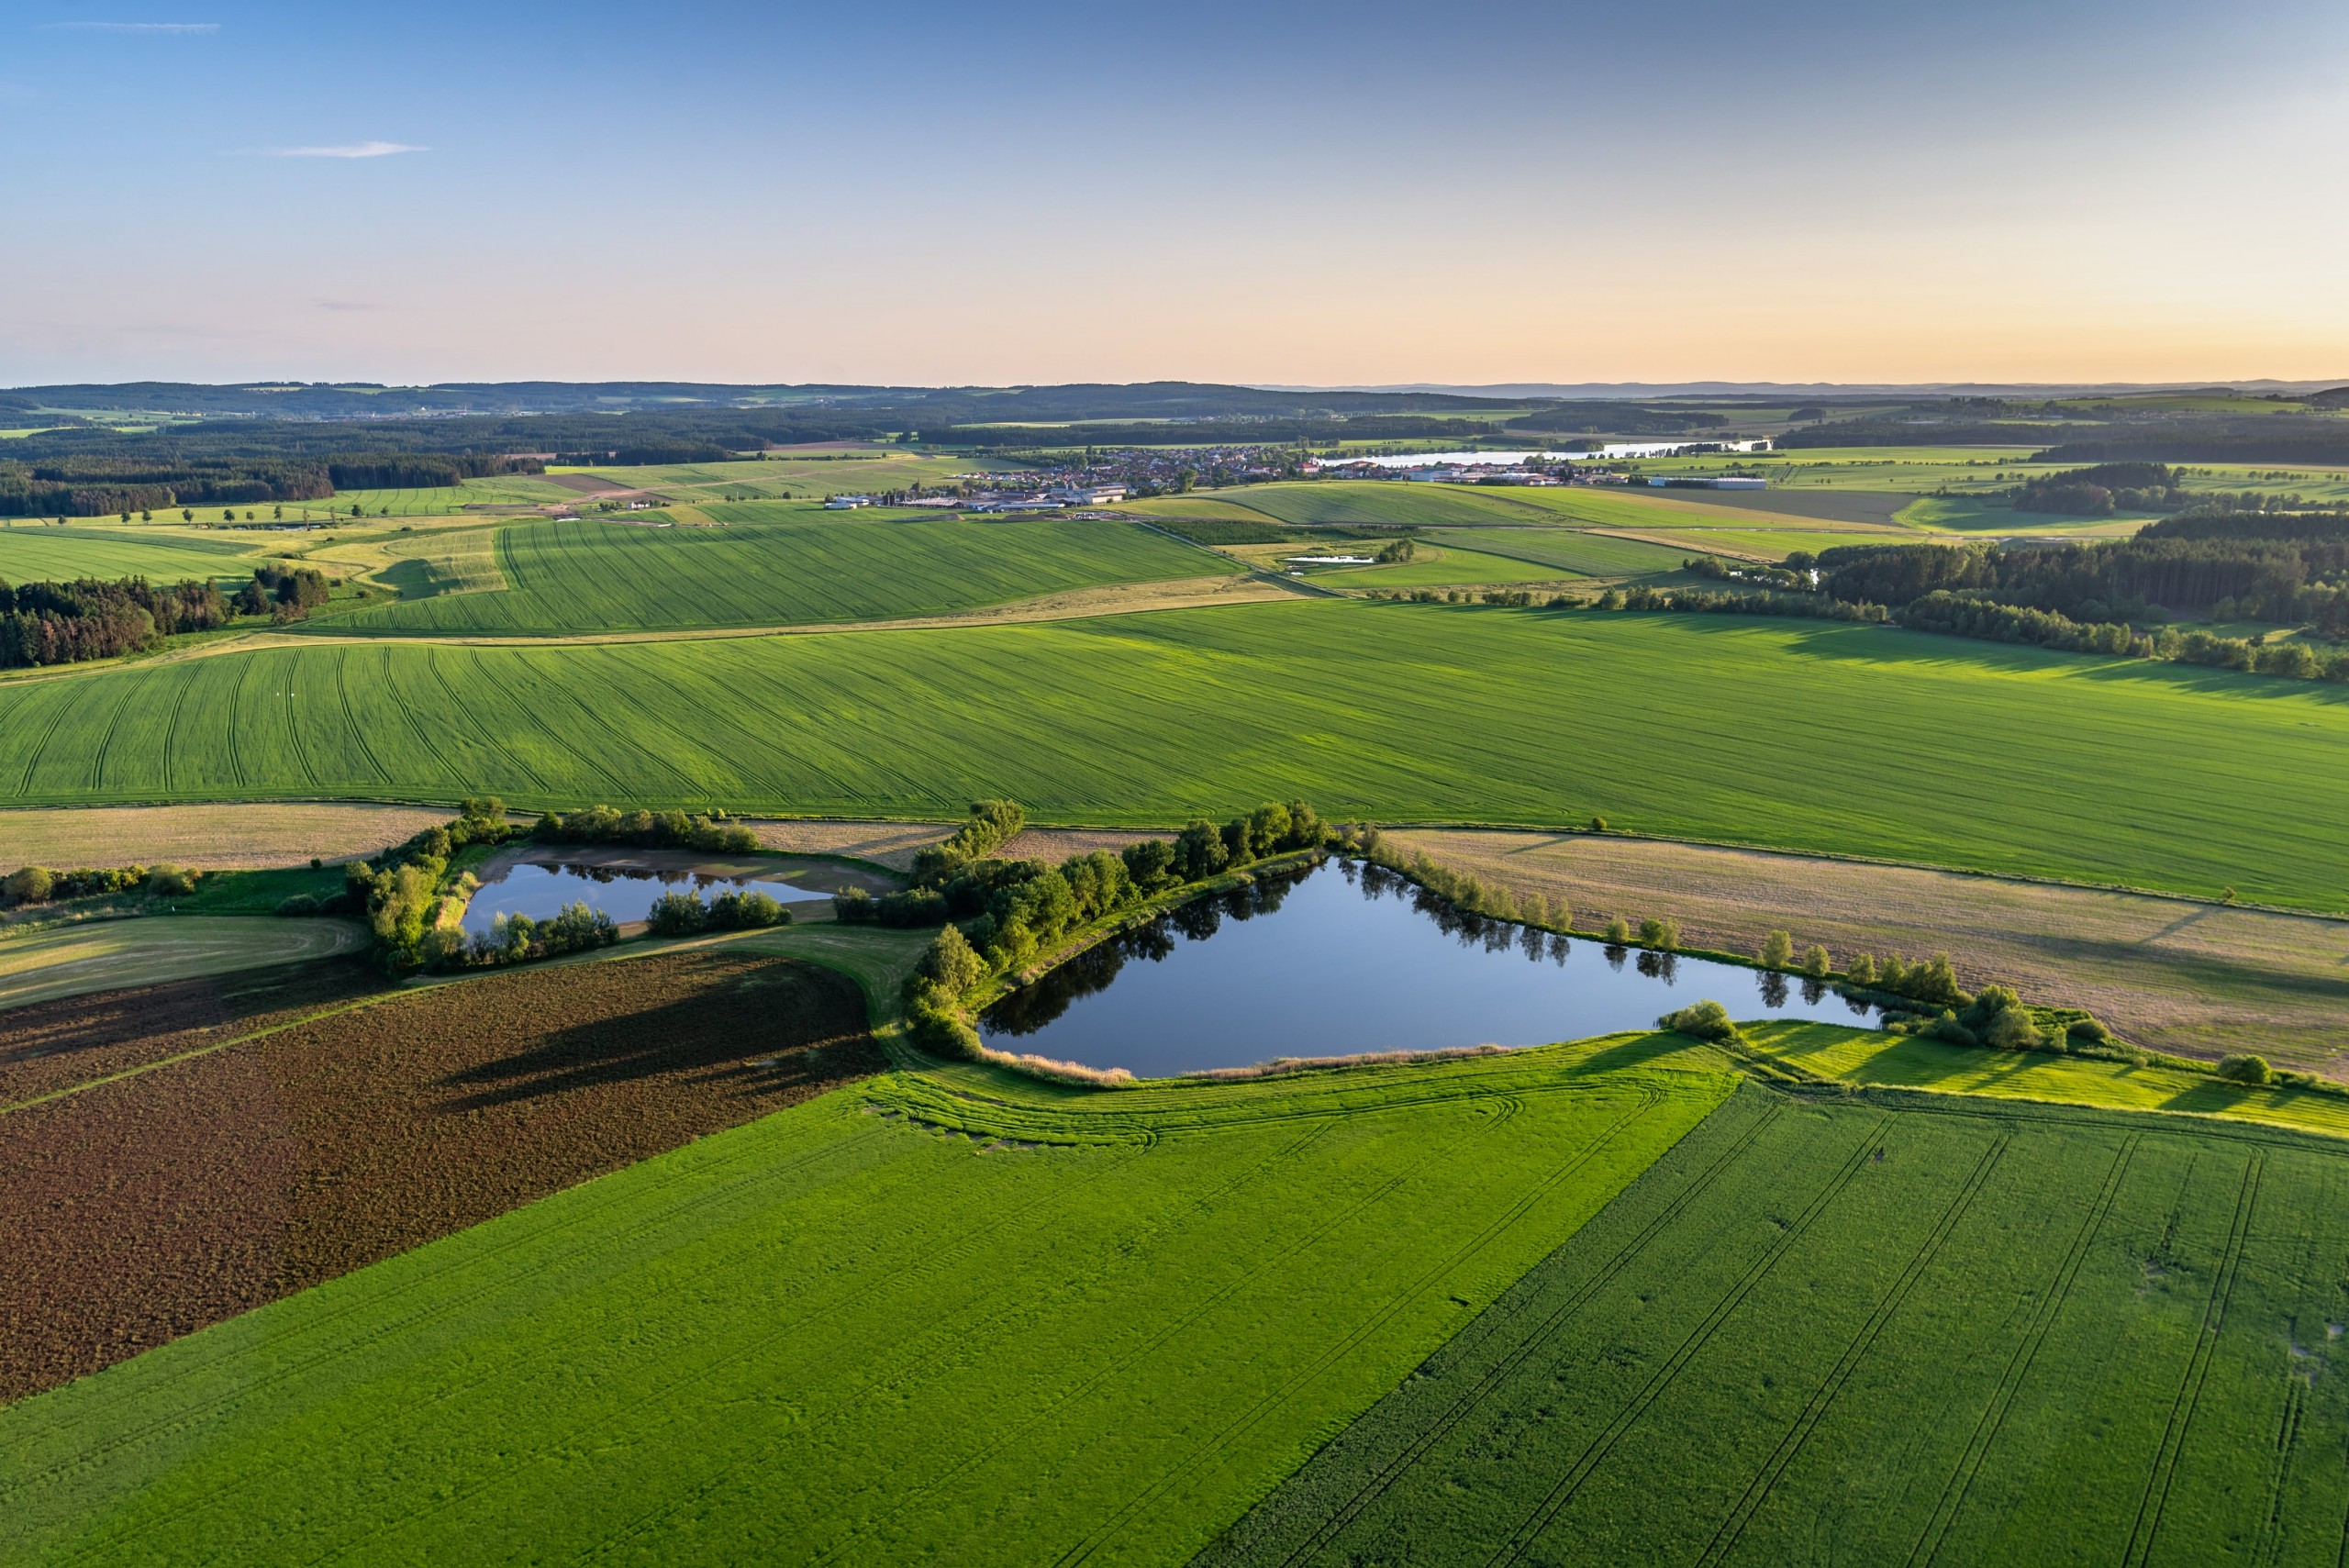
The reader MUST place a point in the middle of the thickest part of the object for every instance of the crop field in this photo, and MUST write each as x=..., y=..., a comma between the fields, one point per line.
x=31, y=554
x=443, y=501
x=783, y=474
x=106, y=954
x=954, y=1315
x=1879, y=1332
x=2202, y=979
x=1576, y=551
x=135, y=1211
x=1446, y=563
x=1474, y=715
x=591, y=577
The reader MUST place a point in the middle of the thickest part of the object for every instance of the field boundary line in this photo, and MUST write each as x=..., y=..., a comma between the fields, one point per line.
x=1993, y=1418
x=1384, y=1478
x=2155, y=1501
x=171, y=726
x=1314, y=1369
x=1531, y=1526
x=1814, y=1411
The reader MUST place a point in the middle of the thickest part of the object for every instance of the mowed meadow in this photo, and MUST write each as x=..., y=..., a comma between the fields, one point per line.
x=1809, y=735
x=590, y=576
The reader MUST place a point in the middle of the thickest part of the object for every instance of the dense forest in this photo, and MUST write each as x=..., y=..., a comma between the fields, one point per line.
x=2096, y=492
x=65, y=623
x=2282, y=568
x=160, y=478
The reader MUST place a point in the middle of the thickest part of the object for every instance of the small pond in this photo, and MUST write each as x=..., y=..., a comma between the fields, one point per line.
x=1348, y=958
x=540, y=880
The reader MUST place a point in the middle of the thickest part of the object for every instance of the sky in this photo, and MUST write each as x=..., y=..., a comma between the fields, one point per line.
x=1273, y=193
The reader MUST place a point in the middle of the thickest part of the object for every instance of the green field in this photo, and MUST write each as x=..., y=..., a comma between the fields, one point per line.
x=1572, y=550
x=1803, y=735
x=32, y=553
x=1390, y=503
x=1447, y=564
x=593, y=576
x=1091, y=1327
x=1883, y=1331
x=105, y=954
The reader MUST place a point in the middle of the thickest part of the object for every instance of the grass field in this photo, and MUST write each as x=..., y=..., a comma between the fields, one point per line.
x=31, y=554
x=1572, y=550
x=1883, y=1332
x=1445, y=564
x=1388, y=503
x=1090, y=1328
x=206, y=838
x=1802, y=735
x=106, y=954
x=592, y=575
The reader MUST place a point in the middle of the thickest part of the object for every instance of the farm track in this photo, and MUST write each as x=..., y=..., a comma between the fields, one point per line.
x=525, y=1083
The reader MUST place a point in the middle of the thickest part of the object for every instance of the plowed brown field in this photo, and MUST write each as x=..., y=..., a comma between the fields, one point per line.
x=137, y=1211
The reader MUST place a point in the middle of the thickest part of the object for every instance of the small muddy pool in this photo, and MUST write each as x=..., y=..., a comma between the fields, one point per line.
x=540, y=880
x=1348, y=958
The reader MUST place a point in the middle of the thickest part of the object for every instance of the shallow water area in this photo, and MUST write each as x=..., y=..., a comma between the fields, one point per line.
x=540, y=880
x=1345, y=959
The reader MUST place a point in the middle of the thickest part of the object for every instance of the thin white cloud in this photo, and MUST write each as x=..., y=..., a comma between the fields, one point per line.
x=130, y=27
x=353, y=150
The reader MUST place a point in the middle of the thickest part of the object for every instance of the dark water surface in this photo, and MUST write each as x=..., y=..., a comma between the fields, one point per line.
x=541, y=881
x=1346, y=959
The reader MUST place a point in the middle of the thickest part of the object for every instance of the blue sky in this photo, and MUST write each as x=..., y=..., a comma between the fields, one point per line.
x=1279, y=192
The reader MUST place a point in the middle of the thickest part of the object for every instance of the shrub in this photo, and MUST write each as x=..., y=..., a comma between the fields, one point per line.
x=2089, y=1029
x=1778, y=951
x=1816, y=963
x=746, y=911
x=299, y=903
x=29, y=884
x=2011, y=1029
x=676, y=915
x=2246, y=1068
x=1702, y=1020
x=1150, y=864
x=1862, y=970
x=1618, y=930
x=951, y=963
x=1948, y=1027
x=1660, y=934
x=170, y=882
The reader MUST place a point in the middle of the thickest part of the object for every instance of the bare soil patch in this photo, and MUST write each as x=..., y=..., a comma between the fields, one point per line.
x=2197, y=979
x=47, y=1046
x=143, y=1210
x=209, y=837
x=586, y=483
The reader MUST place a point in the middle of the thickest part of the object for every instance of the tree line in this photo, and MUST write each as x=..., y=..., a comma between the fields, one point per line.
x=90, y=486
x=66, y=623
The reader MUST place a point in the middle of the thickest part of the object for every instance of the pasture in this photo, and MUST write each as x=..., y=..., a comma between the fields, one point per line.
x=1575, y=550
x=1804, y=734
x=35, y=552
x=106, y=955
x=1889, y=1331
x=1441, y=564
x=593, y=576
x=954, y=1315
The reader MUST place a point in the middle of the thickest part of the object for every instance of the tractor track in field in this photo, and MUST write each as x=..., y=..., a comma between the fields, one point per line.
x=1993, y=1418
x=1798, y=1436
x=2188, y=1401
x=1434, y=1431
x=1336, y=1353
x=1531, y=1527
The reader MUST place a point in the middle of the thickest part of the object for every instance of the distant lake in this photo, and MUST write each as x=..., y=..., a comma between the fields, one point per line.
x=1348, y=958
x=1509, y=460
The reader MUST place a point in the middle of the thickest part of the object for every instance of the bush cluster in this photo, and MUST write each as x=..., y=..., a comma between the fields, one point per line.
x=991, y=824
x=399, y=890
x=681, y=913
x=518, y=939
x=1701, y=1020
x=652, y=830
x=39, y=885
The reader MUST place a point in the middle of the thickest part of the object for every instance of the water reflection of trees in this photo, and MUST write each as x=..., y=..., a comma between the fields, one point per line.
x=1774, y=988
x=1031, y=1008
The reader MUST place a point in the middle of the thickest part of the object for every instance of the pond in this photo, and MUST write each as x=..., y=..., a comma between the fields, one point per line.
x=1348, y=958
x=540, y=880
